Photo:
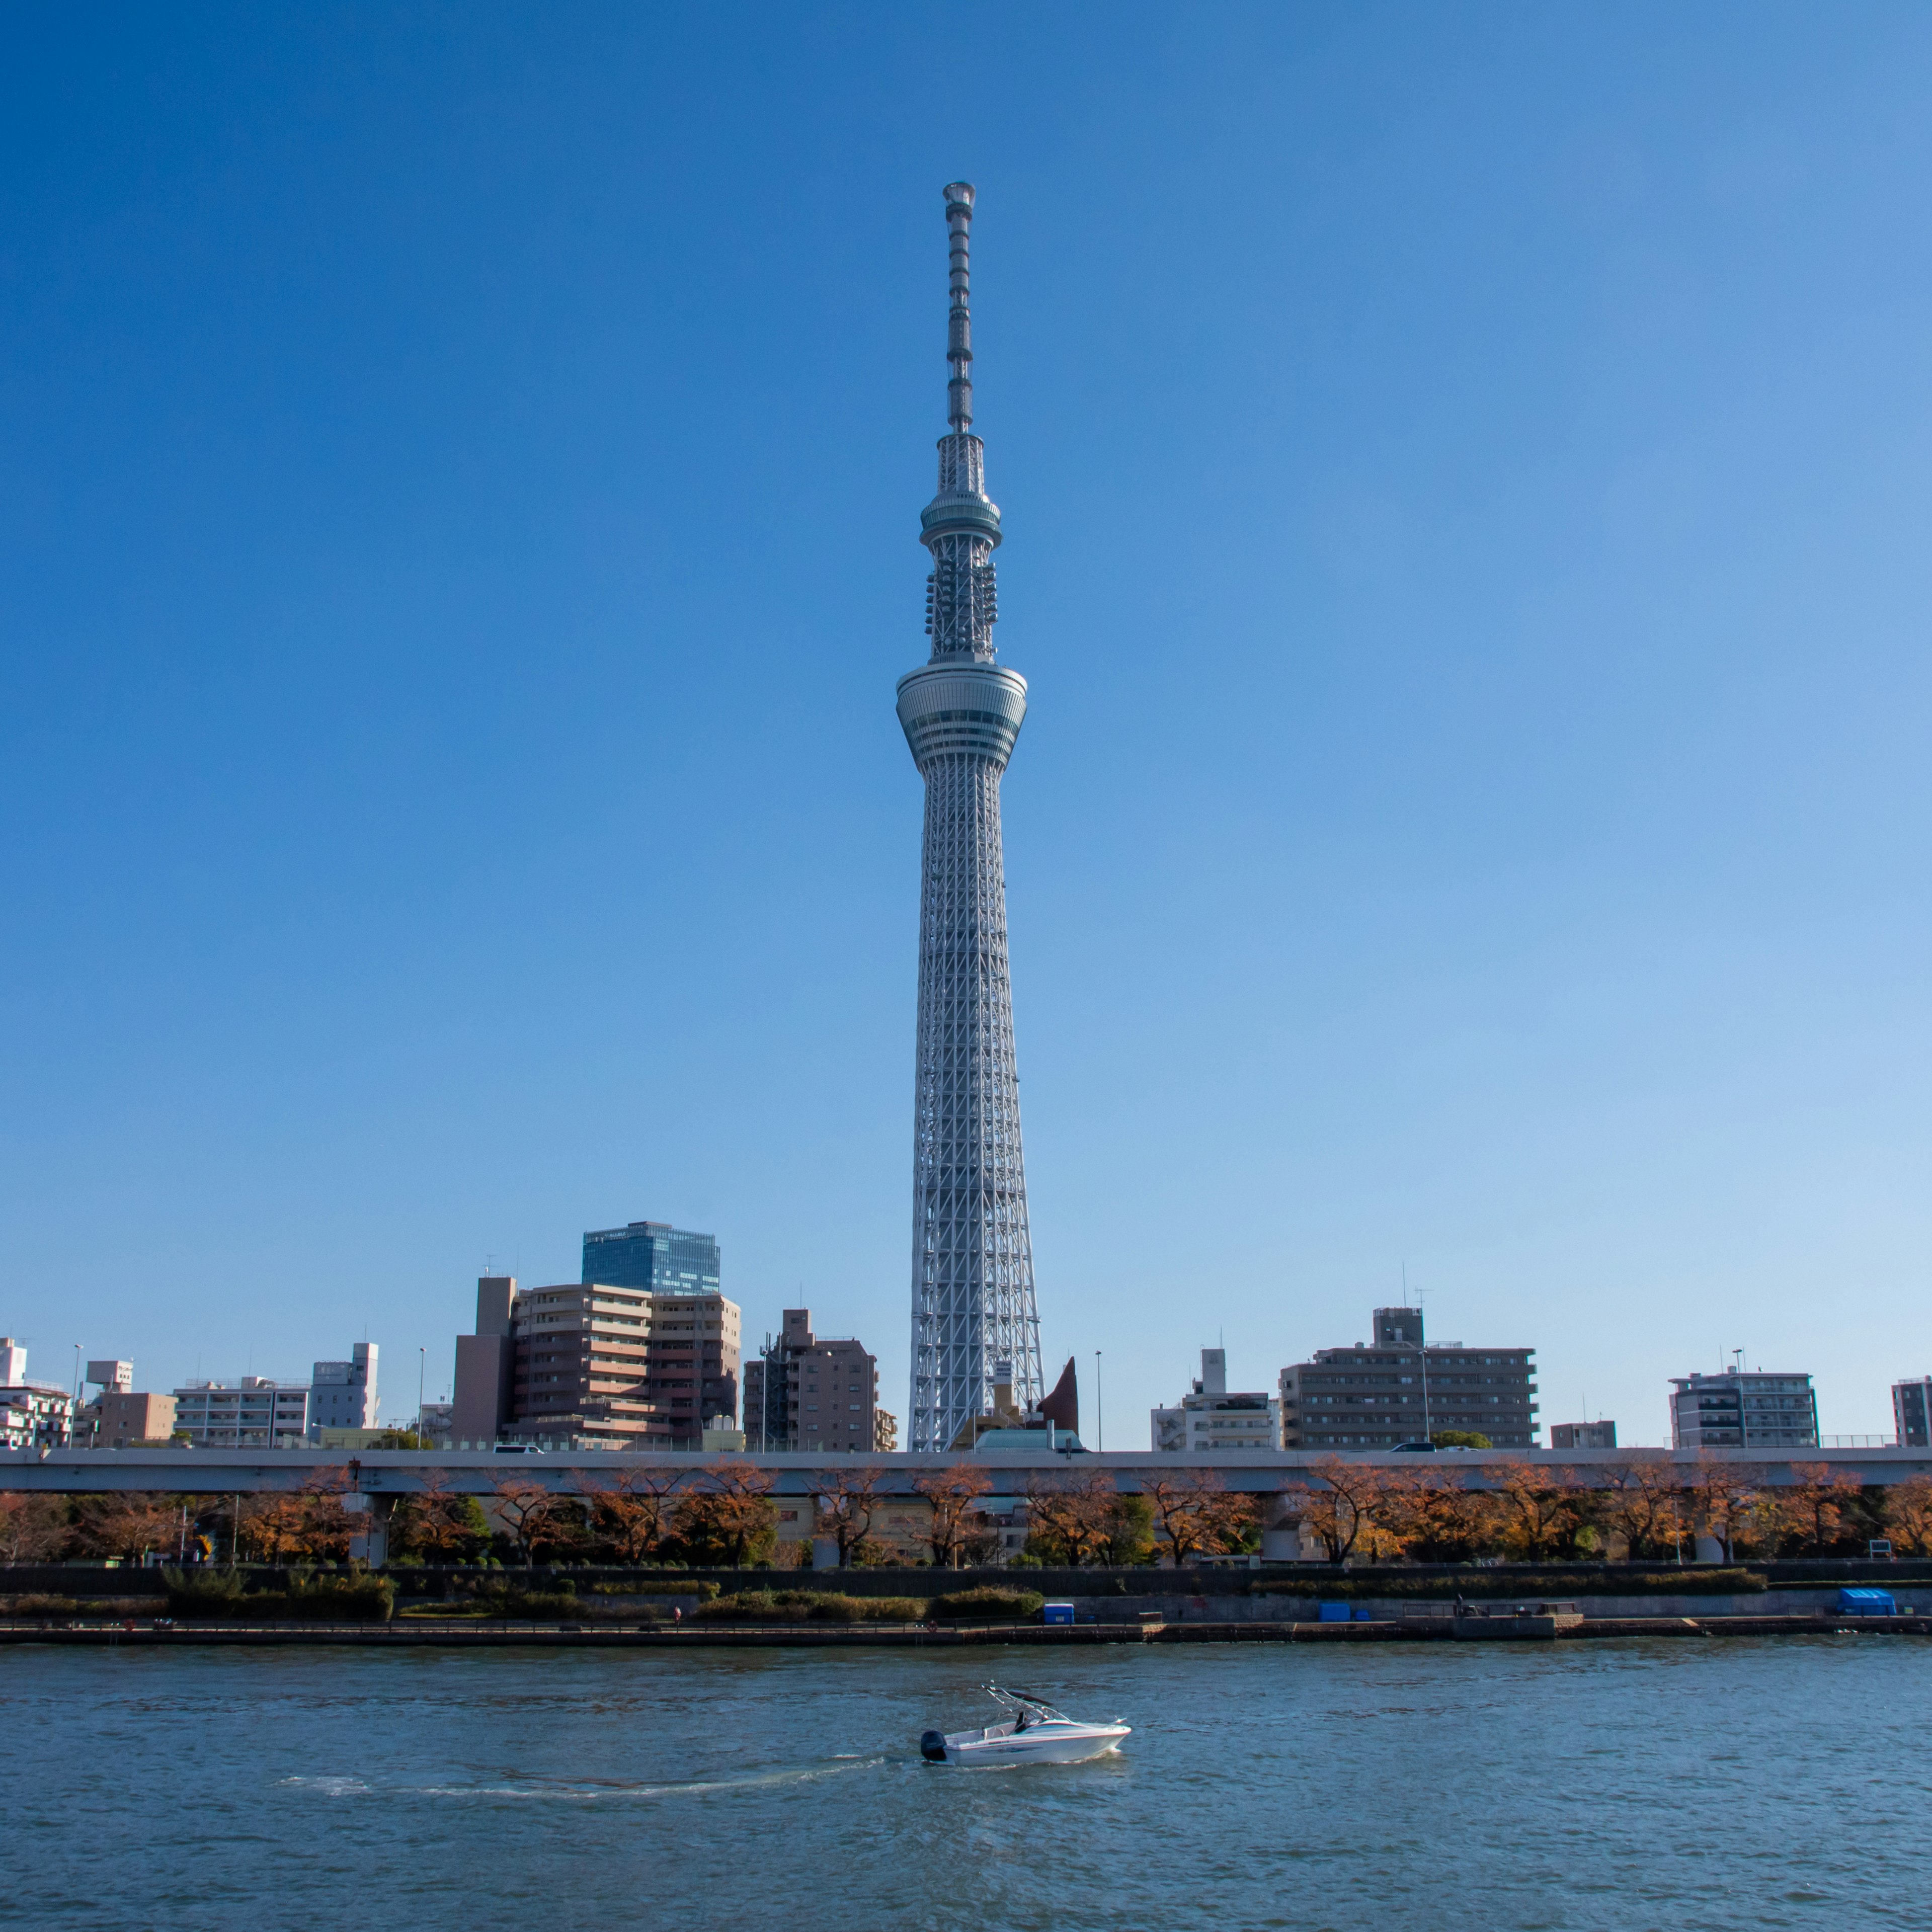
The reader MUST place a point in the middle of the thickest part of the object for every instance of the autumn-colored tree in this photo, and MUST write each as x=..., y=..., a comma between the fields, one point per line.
x=1434, y=1516
x=1342, y=1513
x=1642, y=1501
x=33, y=1527
x=1541, y=1507
x=1069, y=1517
x=636, y=1511
x=1194, y=1513
x=953, y=1495
x=1723, y=1500
x=730, y=1517
x=437, y=1521
x=1814, y=1509
x=845, y=1507
x=129, y=1524
x=1908, y=1515
x=524, y=1508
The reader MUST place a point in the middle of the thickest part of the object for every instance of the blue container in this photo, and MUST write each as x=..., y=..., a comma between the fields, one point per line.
x=1866, y=1603
x=1056, y=1613
x=1334, y=1613
x=1363, y=1617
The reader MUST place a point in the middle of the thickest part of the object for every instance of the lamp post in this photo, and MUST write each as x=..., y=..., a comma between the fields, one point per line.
x=1100, y=1406
x=422, y=1369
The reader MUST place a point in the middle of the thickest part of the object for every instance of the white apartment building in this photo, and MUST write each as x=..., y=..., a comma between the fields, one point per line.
x=342, y=1395
x=33, y=1415
x=1209, y=1417
x=1743, y=1409
x=252, y=1413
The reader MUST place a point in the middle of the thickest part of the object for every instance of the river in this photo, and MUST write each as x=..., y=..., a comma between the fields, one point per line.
x=1443, y=1787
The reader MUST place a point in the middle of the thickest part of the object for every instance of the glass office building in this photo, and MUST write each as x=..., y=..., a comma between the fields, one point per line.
x=652, y=1254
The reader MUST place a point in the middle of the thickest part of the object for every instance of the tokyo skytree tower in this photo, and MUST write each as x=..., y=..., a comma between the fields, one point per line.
x=973, y=1309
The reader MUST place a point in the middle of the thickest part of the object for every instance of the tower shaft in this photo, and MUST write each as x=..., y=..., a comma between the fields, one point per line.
x=974, y=1318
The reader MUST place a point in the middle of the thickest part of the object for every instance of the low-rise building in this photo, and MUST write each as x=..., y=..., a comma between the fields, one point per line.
x=252, y=1412
x=1911, y=1413
x=1582, y=1436
x=1743, y=1409
x=1403, y=1388
x=808, y=1391
x=124, y=1419
x=1210, y=1416
x=33, y=1415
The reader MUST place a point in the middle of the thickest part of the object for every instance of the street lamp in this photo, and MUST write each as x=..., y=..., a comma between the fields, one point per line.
x=1100, y=1406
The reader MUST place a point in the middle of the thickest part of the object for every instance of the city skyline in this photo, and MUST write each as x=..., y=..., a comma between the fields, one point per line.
x=1472, y=481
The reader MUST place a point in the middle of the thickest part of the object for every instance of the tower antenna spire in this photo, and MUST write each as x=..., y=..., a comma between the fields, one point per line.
x=959, y=320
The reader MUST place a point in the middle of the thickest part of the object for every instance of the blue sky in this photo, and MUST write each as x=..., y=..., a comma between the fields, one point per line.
x=1466, y=473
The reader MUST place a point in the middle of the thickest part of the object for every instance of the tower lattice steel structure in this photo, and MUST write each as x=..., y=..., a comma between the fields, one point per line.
x=972, y=1306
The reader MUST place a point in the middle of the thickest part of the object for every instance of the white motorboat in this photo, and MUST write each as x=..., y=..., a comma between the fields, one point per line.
x=1036, y=1733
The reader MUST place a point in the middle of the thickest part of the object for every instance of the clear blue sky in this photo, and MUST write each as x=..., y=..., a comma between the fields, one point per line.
x=1466, y=473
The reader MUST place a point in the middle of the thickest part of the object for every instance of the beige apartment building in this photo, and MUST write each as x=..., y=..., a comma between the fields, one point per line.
x=588, y=1365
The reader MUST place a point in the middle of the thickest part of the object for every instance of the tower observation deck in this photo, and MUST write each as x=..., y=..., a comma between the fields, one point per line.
x=972, y=1307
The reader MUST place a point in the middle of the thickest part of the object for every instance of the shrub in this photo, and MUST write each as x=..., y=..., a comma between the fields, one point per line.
x=987, y=1604
x=203, y=1593
x=536, y=1604
x=44, y=1606
x=350, y=1599
x=656, y=1587
x=793, y=1606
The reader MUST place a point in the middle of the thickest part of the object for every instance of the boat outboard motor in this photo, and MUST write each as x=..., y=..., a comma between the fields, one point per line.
x=932, y=1744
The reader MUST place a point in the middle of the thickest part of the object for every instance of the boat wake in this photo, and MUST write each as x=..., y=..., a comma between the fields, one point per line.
x=583, y=1791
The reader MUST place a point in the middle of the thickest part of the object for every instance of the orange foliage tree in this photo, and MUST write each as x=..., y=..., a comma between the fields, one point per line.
x=952, y=1495
x=32, y=1528
x=1908, y=1515
x=1814, y=1508
x=731, y=1516
x=1195, y=1514
x=1723, y=1501
x=636, y=1512
x=1072, y=1516
x=1540, y=1508
x=1343, y=1514
x=1643, y=1502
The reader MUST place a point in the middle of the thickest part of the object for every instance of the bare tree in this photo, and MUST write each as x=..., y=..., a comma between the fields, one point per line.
x=953, y=1494
x=846, y=1506
x=524, y=1508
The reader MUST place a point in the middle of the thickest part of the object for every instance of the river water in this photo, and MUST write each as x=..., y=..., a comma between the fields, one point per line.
x=1453, y=1787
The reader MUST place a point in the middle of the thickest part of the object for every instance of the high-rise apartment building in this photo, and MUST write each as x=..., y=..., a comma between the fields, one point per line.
x=813, y=1392
x=1743, y=1409
x=973, y=1304
x=342, y=1395
x=1912, y=1412
x=1209, y=1417
x=652, y=1254
x=1399, y=1388
x=590, y=1365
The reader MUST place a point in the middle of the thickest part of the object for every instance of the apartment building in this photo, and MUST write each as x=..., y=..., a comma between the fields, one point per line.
x=342, y=1395
x=1912, y=1412
x=1401, y=1388
x=33, y=1415
x=804, y=1391
x=252, y=1412
x=589, y=1365
x=1743, y=1409
x=1210, y=1416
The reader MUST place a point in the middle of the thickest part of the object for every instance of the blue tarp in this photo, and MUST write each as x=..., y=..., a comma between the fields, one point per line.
x=1334, y=1613
x=1866, y=1603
